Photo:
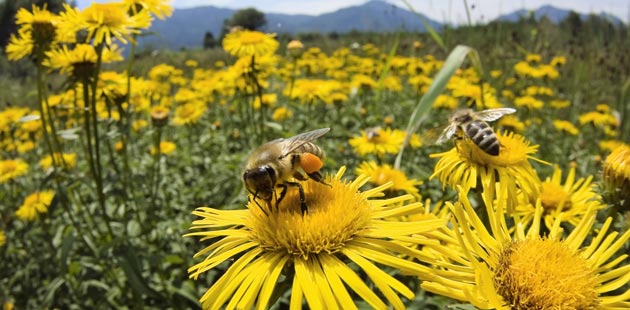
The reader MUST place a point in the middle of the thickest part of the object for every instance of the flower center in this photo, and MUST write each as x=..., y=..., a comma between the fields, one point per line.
x=335, y=214
x=251, y=37
x=553, y=196
x=545, y=274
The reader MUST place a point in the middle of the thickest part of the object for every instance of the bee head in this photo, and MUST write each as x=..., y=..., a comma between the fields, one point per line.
x=260, y=182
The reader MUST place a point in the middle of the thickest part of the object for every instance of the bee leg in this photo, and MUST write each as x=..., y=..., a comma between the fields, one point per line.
x=302, y=196
x=282, y=194
x=318, y=177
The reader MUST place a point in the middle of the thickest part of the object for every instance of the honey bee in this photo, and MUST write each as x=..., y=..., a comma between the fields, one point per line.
x=273, y=164
x=474, y=126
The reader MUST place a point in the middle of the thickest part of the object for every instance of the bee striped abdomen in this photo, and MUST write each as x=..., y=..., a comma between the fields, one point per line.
x=310, y=148
x=483, y=136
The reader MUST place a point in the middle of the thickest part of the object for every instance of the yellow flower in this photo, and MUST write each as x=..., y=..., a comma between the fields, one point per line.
x=191, y=63
x=166, y=148
x=189, y=113
x=559, y=104
x=3, y=238
x=558, y=61
x=329, y=255
x=35, y=204
x=268, y=100
x=65, y=160
x=81, y=60
x=598, y=119
x=246, y=43
x=496, y=269
x=280, y=114
x=512, y=123
x=378, y=141
x=105, y=21
x=565, y=203
x=11, y=169
x=363, y=82
x=609, y=145
x=529, y=102
x=566, y=126
x=495, y=73
x=295, y=44
x=445, y=102
x=616, y=174
x=533, y=58
x=507, y=174
x=160, y=8
x=36, y=35
x=382, y=174
x=159, y=115
x=138, y=124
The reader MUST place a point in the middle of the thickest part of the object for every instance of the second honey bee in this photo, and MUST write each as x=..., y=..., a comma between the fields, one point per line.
x=474, y=126
x=275, y=163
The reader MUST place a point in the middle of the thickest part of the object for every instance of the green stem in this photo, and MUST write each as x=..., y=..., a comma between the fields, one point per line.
x=40, y=95
x=156, y=165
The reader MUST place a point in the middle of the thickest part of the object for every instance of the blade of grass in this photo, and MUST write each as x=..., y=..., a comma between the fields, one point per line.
x=427, y=26
x=453, y=62
x=387, y=66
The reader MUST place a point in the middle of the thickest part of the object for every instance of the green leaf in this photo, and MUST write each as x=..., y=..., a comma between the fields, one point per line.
x=453, y=62
x=51, y=288
x=133, y=228
x=131, y=266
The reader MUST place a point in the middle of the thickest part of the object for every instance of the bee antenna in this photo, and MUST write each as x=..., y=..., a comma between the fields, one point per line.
x=256, y=202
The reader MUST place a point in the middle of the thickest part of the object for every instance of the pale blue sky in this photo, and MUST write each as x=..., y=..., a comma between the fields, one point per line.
x=441, y=10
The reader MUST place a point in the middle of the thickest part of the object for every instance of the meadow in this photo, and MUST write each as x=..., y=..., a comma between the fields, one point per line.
x=121, y=174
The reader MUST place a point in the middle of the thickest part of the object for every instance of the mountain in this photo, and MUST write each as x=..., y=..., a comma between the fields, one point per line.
x=186, y=27
x=555, y=15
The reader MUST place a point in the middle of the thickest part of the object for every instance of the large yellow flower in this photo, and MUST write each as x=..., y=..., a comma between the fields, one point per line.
x=510, y=172
x=35, y=204
x=494, y=269
x=36, y=35
x=105, y=21
x=319, y=253
x=81, y=60
x=246, y=43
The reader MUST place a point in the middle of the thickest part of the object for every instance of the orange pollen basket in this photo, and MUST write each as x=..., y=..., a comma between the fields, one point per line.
x=310, y=162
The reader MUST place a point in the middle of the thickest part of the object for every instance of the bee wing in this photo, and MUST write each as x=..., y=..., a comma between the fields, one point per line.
x=447, y=133
x=493, y=114
x=291, y=144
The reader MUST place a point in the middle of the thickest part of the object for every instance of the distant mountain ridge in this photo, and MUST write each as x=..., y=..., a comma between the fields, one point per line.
x=554, y=14
x=187, y=27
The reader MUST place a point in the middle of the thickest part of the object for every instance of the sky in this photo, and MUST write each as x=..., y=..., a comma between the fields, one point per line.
x=451, y=11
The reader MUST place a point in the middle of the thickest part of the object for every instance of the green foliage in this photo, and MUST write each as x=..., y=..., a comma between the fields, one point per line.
x=248, y=18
